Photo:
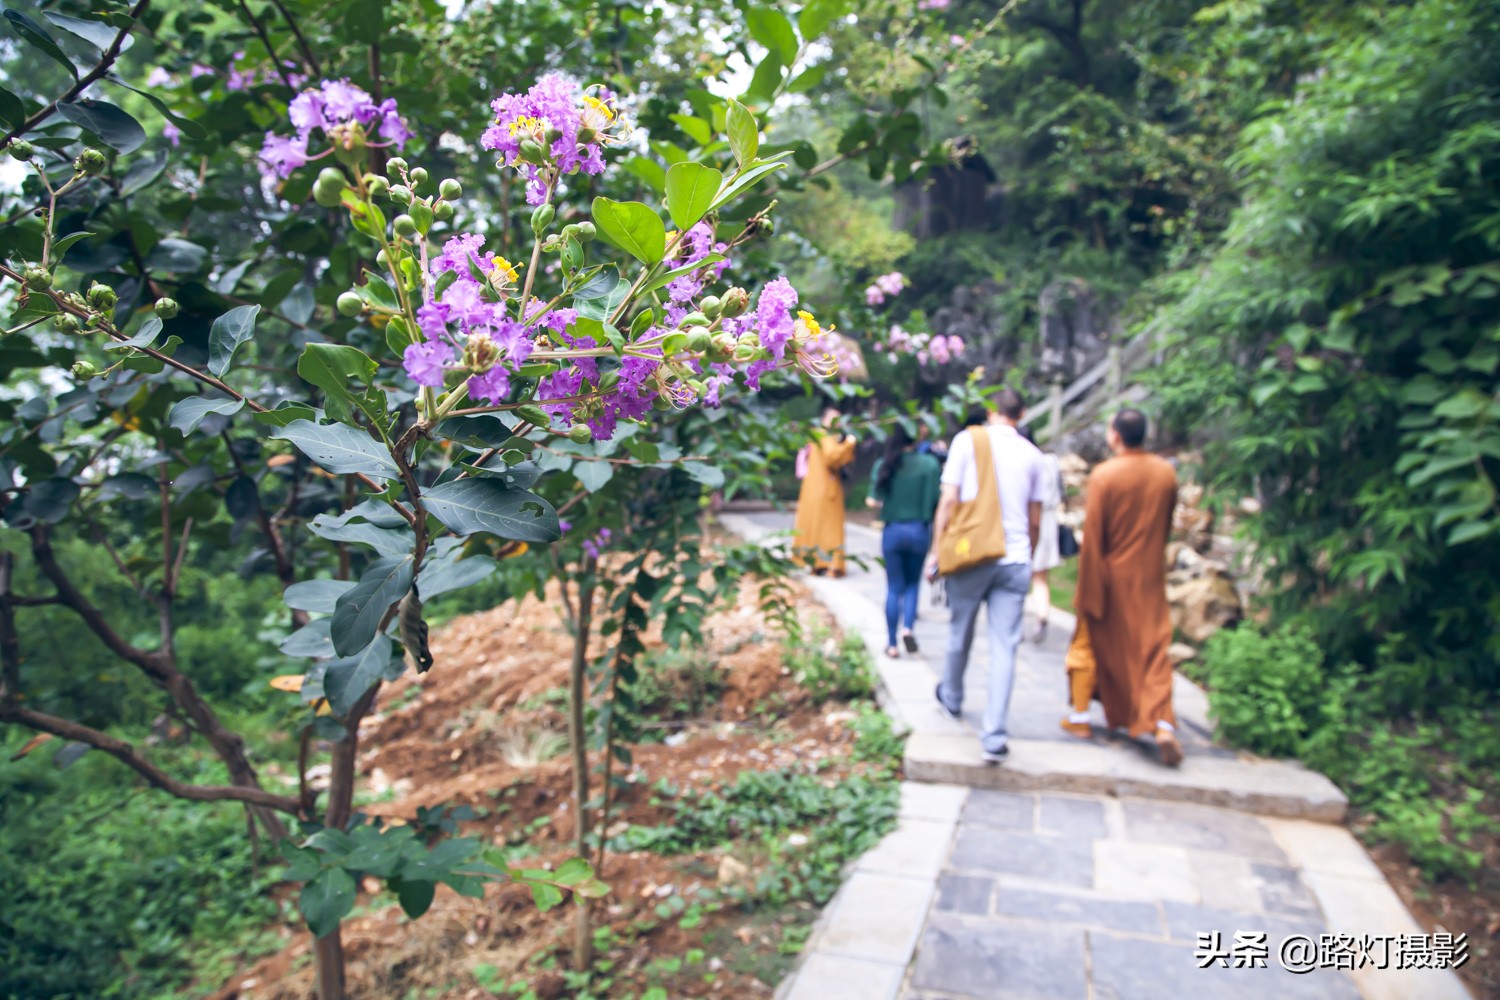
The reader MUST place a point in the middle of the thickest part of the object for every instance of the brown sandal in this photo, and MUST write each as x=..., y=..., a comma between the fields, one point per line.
x=1168, y=747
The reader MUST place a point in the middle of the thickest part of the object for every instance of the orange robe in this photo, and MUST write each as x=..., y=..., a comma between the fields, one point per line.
x=819, y=532
x=1122, y=588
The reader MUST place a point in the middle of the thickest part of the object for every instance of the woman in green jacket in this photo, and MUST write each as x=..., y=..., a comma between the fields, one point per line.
x=906, y=486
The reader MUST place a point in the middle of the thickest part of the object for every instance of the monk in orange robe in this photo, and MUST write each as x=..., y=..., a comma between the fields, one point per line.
x=819, y=532
x=1122, y=585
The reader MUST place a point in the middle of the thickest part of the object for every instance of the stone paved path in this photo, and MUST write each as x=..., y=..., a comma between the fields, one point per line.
x=1028, y=890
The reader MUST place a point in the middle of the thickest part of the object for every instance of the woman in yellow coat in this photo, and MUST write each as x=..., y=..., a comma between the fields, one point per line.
x=819, y=533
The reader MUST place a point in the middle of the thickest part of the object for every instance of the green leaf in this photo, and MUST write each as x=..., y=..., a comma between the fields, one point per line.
x=229, y=331
x=181, y=256
x=415, y=897
x=694, y=128
x=593, y=889
x=326, y=900
x=772, y=29
x=573, y=871
x=60, y=247
x=13, y=111
x=1470, y=531
x=545, y=896
x=386, y=540
x=744, y=134
x=817, y=15
x=190, y=128
x=37, y=35
x=709, y=475
x=601, y=285
x=808, y=79
x=648, y=171
x=453, y=574
x=96, y=33
x=594, y=475
x=340, y=449
x=145, y=337
x=465, y=506
x=661, y=280
x=633, y=227
x=691, y=189
x=766, y=79
x=285, y=413
x=357, y=614
x=108, y=122
x=316, y=596
x=331, y=367
x=348, y=677
x=749, y=178
x=312, y=639
x=187, y=414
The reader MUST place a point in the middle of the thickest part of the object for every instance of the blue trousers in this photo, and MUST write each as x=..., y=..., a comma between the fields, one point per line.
x=1000, y=588
x=904, y=546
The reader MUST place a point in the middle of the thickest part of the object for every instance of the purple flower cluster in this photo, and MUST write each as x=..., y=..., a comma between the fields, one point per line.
x=593, y=546
x=555, y=106
x=333, y=106
x=469, y=328
x=697, y=243
x=887, y=286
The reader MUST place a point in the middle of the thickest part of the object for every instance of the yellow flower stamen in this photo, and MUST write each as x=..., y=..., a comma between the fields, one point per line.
x=596, y=113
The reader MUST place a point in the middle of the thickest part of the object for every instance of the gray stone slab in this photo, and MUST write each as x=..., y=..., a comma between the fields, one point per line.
x=1008, y=810
x=1074, y=816
x=1132, y=969
x=1088, y=911
x=966, y=957
x=1045, y=857
x=1185, y=921
x=968, y=894
x=1180, y=824
x=1283, y=891
x=835, y=977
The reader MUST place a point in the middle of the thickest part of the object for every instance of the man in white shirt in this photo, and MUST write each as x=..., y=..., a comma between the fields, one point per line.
x=1020, y=473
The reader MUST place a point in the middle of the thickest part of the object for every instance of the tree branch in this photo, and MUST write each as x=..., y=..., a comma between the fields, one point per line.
x=265, y=40
x=84, y=82
x=154, y=775
x=307, y=56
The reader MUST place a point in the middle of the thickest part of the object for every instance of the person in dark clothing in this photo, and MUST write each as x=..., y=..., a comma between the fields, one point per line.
x=905, y=484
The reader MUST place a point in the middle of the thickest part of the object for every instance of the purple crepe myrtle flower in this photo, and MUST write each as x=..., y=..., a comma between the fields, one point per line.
x=424, y=363
x=557, y=105
x=172, y=134
x=773, y=316
x=283, y=154
x=198, y=69
x=564, y=526
x=874, y=296
x=491, y=387
x=459, y=252
x=159, y=77
x=332, y=104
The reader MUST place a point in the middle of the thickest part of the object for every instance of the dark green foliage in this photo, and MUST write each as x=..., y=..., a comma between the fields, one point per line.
x=1344, y=344
x=114, y=890
x=1264, y=691
x=827, y=668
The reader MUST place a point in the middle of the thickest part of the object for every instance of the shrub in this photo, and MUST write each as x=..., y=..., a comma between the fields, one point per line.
x=827, y=669
x=1265, y=690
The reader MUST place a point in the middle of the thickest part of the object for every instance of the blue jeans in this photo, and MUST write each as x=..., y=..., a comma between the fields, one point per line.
x=1002, y=588
x=904, y=546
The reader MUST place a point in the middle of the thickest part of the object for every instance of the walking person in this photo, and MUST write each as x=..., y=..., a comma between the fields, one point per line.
x=1122, y=585
x=1048, y=555
x=989, y=467
x=905, y=485
x=818, y=534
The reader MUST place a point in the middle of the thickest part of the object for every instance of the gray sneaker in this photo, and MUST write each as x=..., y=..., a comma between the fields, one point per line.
x=937, y=693
x=995, y=756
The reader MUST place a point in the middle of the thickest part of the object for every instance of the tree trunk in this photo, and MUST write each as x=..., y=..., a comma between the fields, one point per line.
x=582, y=938
x=329, y=951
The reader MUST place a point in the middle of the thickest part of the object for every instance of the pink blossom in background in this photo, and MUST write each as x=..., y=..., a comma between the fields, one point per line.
x=172, y=134
x=874, y=296
x=932, y=4
x=198, y=69
x=159, y=77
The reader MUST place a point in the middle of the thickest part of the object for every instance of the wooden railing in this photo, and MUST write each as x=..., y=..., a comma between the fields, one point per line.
x=1065, y=403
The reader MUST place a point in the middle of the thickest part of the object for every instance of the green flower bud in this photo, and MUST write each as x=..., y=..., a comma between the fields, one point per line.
x=350, y=304
x=586, y=136
x=530, y=152
x=553, y=135
x=418, y=177
x=450, y=189
x=166, y=308
x=542, y=218
x=331, y=176
x=404, y=225
x=580, y=434
x=21, y=149
x=37, y=278
x=349, y=144
x=699, y=341
x=83, y=370
x=401, y=193
x=377, y=186
x=328, y=195
x=661, y=403
x=443, y=211
x=534, y=415
x=395, y=167
x=551, y=243
x=67, y=323
x=383, y=259
x=90, y=161
x=587, y=232
x=100, y=297
x=744, y=354
x=697, y=386
x=710, y=305
x=734, y=302
x=694, y=319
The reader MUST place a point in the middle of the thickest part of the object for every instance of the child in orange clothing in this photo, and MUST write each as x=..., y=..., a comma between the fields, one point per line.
x=1081, y=679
